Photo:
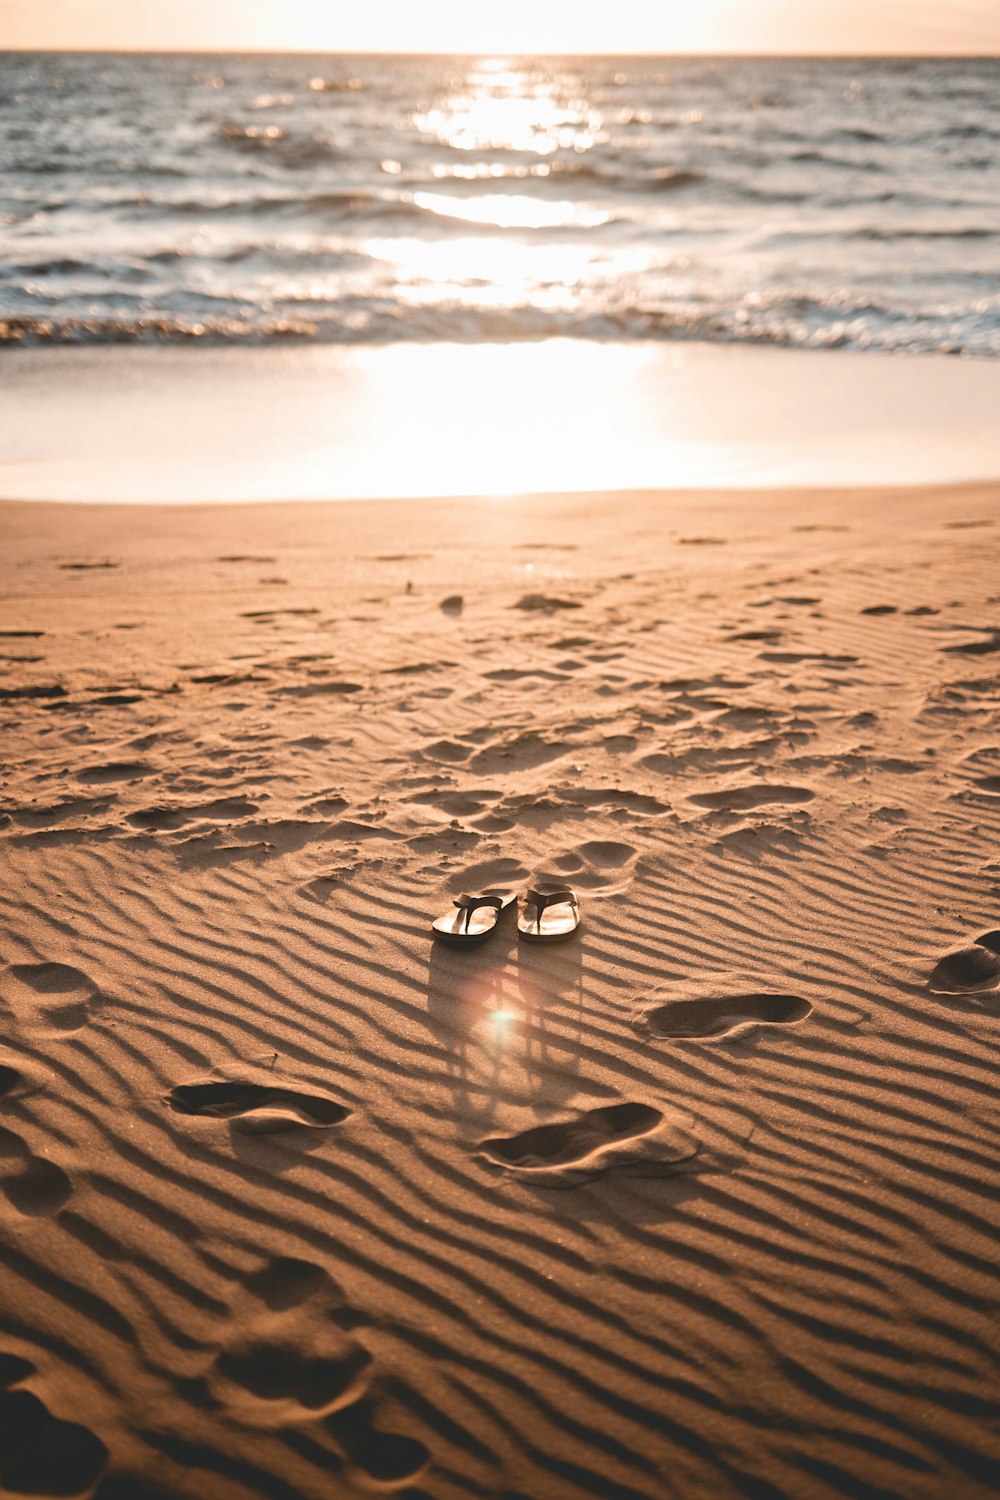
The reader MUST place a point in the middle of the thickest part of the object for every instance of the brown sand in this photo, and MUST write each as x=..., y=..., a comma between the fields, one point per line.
x=702, y=1203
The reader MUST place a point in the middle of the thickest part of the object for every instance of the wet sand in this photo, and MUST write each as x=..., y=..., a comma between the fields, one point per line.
x=704, y=1201
x=312, y=422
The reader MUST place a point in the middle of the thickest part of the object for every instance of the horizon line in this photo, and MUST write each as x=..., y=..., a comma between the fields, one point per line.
x=750, y=54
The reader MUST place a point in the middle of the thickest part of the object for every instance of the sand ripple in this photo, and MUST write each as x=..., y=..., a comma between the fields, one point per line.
x=703, y=1203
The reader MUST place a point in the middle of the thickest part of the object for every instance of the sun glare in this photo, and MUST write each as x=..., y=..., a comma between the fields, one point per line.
x=506, y=110
x=509, y=111
x=511, y=211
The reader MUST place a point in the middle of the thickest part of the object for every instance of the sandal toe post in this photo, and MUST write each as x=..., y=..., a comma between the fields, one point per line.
x=548, y=916
x=472, y=919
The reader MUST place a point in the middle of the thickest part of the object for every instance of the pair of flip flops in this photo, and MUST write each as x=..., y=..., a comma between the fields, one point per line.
x=543, y=917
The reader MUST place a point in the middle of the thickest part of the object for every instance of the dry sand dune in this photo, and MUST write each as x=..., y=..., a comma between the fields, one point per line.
x=703, y=1202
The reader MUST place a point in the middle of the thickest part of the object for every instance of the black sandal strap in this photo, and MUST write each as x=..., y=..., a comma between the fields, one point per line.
x=541, y=899
x=469, y=904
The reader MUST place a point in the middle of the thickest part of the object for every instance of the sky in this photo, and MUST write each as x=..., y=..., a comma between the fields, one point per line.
x=512, y=26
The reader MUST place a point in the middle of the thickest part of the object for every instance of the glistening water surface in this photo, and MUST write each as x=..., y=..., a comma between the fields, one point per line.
x=813, y=203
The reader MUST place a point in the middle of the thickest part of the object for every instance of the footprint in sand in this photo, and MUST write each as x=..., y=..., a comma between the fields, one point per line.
x=58, y=994
x=376, y=1459
x=793, y=658
x=287, y=1353
x=291, y=1358
x=746, y=798
x=488, y=874
x=34, y=690
x=546, y=604
x=455, y=804
x=332, y=685
x=599, y=865
x=288, y=1374
x=988, y=646
x=970, y=969
x=565, y=1152
x=257, y=1107
x=39, y=1453
x=522, y=752
x=31, y=1184
x=18, y=1083
x=772, y=636
x=37, y=815
x=125, y=770
x=519, y=674
x=730, y=1016
x=225, y=810
x=447, y=750
x=287, y=1281
x=615, y=799
x=607, y=854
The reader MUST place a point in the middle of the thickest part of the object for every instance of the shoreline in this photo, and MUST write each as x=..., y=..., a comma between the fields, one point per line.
x=421, y=420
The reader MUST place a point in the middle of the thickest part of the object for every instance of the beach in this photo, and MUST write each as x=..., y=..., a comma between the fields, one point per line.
x=432, y=483
x=702, y=1202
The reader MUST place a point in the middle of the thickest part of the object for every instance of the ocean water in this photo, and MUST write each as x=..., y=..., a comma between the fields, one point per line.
x=808, y=203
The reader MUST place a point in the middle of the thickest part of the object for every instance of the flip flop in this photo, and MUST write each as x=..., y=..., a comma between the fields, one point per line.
x=548, y=916
x=474, y=919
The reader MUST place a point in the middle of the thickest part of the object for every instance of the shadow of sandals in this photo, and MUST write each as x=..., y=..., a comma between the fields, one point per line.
x=509, y=1015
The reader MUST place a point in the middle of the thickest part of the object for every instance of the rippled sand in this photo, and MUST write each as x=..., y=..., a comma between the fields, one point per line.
x=700, y=1203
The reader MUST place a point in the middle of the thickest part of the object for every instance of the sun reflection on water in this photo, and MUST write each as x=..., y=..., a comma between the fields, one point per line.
x=494, y=271
x=511, y=110
x=542, y=251
x=512, y=211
